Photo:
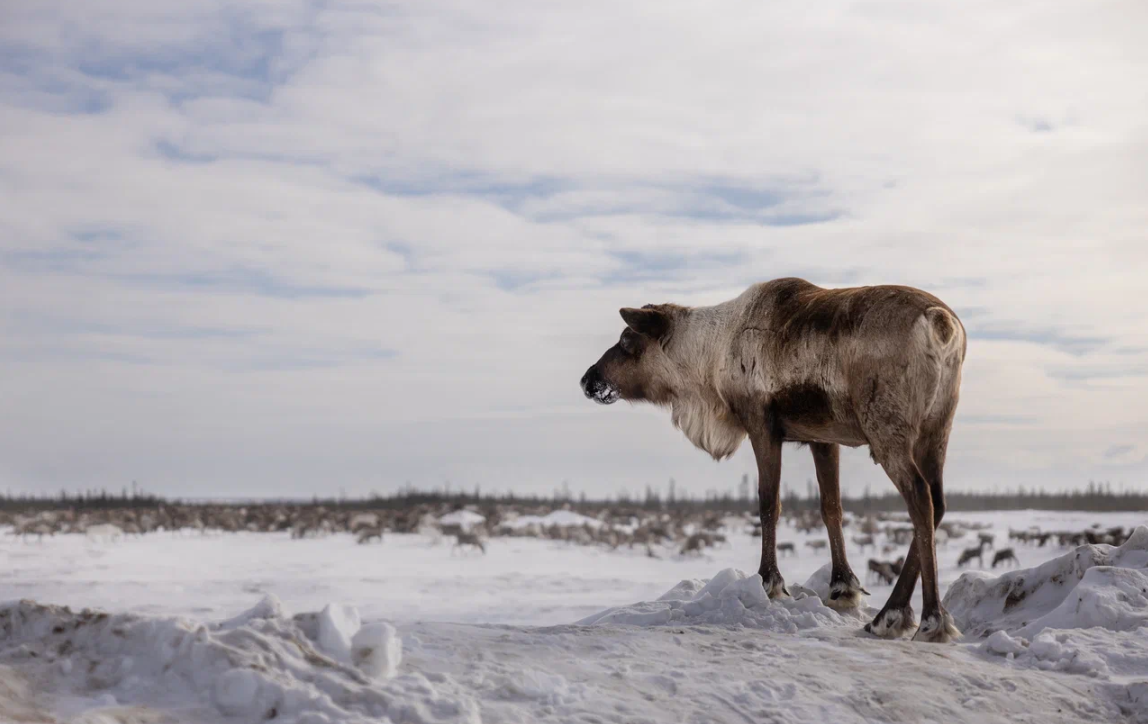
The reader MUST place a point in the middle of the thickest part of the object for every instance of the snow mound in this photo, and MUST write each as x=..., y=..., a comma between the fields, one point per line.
x=1106, y=597
x=462, y=518
x=255, y=667
x=560, y=518
x=730, y=598
x=1093, y=586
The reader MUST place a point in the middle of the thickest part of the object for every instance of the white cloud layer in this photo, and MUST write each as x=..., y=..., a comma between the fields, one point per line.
x=285, y=248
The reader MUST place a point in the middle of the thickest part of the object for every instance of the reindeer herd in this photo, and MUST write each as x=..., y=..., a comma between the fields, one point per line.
x=670, y=533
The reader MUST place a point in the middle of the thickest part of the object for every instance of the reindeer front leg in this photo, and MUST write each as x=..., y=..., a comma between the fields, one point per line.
x=767, y=450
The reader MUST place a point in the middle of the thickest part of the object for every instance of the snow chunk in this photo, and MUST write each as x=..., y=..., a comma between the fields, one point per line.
x=1094, y=585
x=377, y=650
x=337, y=626
x=730, y=598
x=1002, y=644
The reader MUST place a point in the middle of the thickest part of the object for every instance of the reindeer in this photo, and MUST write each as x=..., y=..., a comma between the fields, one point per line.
x=1004, y=556
x=787, y=361
x=696, y=543
x=368, y=533
x=468, y=539
x=969, y=554
x=882, y=570
x=786, y=549
x=886, y=571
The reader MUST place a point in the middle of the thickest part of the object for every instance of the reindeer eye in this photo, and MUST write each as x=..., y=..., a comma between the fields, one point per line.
x=630, y=343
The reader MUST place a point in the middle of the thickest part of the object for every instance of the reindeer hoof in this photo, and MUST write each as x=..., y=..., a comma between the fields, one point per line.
x=892, y=623
x=845, y=595
x=937, y=628
x=774, y=586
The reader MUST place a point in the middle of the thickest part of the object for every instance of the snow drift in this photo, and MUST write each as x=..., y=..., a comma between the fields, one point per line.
x=1094, y=585
x=730, y=598
x=260, y=665
x=1084, y=613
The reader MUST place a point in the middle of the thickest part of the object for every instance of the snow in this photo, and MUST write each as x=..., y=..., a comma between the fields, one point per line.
x=730, y=598
x=258, y=627
x=462, y=518
x=1094, y=585
x=560, y=518
x=104, y=532
x=377, y=650
x=258, y=665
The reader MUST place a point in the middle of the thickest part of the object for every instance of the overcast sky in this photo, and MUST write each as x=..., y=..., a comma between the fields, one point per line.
x=287, y=248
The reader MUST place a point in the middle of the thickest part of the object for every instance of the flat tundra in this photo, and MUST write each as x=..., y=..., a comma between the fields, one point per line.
x=788, y=361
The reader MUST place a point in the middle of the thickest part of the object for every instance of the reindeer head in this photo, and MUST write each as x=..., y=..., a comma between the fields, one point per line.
x=637, y=368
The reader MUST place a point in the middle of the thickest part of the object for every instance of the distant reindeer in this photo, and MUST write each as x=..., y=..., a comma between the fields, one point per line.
x=969, y=554
x=1004, y=556
x=463, y=538
x=881, y=570
x=987, y=539
x=886, y=571
x=369, y=533
x=452, y=529
x=701, y=540
x=787, y=549
x=816, y=544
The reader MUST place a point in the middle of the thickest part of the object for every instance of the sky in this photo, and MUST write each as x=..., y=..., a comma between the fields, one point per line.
x=292, y=248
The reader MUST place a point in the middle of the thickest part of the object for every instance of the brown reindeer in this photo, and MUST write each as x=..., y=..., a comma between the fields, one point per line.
x=468, y=539
x=788, y=361
x=968, y=554
x=368, y=533
x=886, y=571
x=1004, y=556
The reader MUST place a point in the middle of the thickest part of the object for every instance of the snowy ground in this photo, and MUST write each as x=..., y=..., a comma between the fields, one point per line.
x=539, y=631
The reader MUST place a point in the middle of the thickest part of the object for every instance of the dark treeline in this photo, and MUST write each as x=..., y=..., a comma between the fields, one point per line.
x=1093, y=498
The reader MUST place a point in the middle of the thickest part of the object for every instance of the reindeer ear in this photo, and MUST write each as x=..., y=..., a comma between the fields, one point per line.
x=648, y=320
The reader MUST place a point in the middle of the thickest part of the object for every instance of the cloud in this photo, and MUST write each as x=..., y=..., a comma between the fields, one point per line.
x=276, y=246
x=1118, y=451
